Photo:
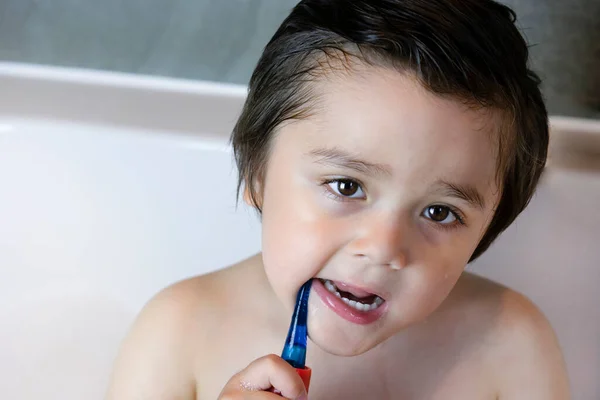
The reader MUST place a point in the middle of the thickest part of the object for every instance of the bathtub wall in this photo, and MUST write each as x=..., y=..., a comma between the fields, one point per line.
x=550, y=253
x=102, y=208
x=220, y=40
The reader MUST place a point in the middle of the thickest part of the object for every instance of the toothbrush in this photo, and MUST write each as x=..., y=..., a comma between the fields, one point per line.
x=294, y=350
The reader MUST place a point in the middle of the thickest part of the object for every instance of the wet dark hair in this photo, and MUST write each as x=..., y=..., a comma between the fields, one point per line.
x=469, y=50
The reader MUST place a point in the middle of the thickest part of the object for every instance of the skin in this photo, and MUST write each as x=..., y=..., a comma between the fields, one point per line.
x=444, y=334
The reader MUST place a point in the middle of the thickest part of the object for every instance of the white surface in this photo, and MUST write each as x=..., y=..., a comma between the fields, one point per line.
x=98, y=214
x=114, y=186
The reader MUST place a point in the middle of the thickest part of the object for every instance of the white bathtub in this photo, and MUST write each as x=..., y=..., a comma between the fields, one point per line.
x=113, y=186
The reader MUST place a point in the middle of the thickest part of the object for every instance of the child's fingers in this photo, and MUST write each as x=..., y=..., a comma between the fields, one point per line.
x=273, y=371
x=263, y=374
x=250, y=396
x=261, y=396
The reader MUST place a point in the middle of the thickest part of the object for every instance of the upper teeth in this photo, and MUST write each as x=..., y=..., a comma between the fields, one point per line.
x=352, y=303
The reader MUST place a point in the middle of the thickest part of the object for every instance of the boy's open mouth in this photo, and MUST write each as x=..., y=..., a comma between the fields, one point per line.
x=356, y=298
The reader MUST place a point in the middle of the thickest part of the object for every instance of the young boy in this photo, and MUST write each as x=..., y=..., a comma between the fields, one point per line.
x=386, y=144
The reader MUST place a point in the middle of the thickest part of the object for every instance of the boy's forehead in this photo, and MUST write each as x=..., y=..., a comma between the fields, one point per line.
x=390, y=95
x=386, y=117
x=372, y=108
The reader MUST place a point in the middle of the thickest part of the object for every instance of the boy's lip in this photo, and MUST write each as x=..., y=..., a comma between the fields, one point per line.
x=344, y=310
x=345, y=286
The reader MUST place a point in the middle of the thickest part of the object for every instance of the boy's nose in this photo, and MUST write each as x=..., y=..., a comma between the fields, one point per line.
x=382, y=242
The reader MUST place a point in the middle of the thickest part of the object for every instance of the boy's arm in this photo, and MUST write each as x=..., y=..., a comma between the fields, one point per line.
x=531, y=363
x=154, y=361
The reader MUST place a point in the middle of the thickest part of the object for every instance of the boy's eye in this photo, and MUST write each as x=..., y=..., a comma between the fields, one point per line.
x=346, y=188
x=441, y=214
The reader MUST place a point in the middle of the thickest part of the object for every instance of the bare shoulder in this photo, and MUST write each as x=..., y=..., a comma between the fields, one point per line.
x=156, y=358
x=520, y=344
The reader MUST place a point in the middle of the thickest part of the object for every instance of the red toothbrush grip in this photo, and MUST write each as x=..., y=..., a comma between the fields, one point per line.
x=305, y=374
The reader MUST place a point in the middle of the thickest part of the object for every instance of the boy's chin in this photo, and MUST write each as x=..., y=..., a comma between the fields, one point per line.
x=342, y=345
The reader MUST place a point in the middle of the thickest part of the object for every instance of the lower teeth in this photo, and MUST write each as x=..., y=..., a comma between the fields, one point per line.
x=353, y=303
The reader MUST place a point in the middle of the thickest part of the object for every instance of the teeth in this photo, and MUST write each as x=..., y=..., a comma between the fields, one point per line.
x=357, y=305
x=330, y=286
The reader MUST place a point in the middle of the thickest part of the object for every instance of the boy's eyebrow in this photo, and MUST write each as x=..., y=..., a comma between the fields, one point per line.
x=467, y=193
x=342, y=158
x=338, y=157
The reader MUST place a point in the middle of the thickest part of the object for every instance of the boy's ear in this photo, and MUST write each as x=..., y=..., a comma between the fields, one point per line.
x=248, y=197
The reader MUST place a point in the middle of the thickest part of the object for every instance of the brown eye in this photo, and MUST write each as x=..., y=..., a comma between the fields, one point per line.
x=439, y=213
x=347, y=187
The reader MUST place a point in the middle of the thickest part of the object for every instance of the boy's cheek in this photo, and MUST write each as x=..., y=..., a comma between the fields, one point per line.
x=425, y=289
x=300, y=244
x=295, y=252
x=294, y=221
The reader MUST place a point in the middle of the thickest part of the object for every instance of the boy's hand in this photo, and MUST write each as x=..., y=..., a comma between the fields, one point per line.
x=262, y=379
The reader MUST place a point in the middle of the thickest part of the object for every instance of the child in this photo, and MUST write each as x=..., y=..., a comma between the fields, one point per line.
x=386, y=144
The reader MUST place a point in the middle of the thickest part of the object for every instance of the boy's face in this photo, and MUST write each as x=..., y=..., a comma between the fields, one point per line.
x=386, y=190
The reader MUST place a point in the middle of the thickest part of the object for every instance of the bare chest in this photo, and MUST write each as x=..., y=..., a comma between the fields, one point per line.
x=406, y=382
x=431, y=376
